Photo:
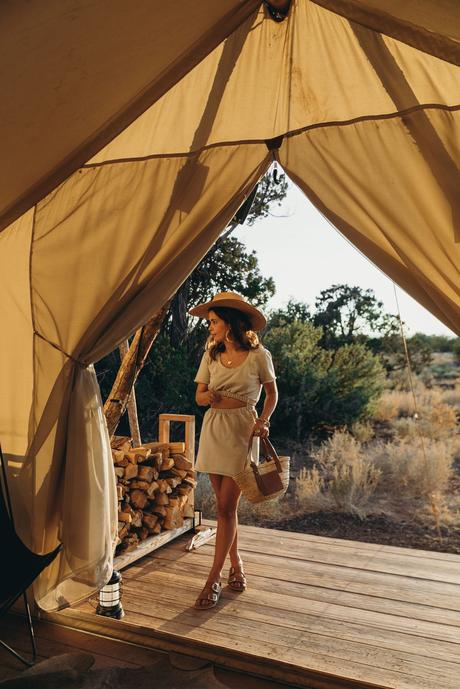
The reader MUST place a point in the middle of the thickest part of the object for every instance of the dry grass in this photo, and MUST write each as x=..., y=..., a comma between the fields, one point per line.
x=205, y=500
x=452, y=397
x=344, y=478
x=416, y=469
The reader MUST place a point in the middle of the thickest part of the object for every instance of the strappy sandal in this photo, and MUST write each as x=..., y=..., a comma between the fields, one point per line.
x=237, y=580
x=211, y=598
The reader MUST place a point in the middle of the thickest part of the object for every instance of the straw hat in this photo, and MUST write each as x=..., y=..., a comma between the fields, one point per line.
x=231, y=300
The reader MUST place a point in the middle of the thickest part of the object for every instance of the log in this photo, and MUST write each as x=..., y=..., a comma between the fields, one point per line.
x=118, y=457
x=122, y=530
x=179, y=472
x=119, y=471
x=140, y=454
x=125, y=517
x=143, y=533
x=129, y=542
x=120, y=442
x=137, y=518
x=159, y=510
x=181, y=462
x=161, y=499
x=149, y=520
x=173, y=481
x=139, y=499
x=173, y=518
x=167, y=464
x=188, y=511
x=130, y=471
x=158, y=447
x=152, y=488
x=140, y=485
x=145, y=473
x=176, y=448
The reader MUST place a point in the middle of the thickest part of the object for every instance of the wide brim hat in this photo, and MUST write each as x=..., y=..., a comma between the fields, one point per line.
x=231, y=300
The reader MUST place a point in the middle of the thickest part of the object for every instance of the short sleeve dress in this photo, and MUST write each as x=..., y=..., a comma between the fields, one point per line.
x=225, y=433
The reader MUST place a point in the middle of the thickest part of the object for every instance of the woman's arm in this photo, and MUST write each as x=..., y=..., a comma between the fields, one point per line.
x=204, y=396
x=262, y=424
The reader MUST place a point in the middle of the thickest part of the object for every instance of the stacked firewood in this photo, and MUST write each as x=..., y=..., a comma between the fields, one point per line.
x=155, y=485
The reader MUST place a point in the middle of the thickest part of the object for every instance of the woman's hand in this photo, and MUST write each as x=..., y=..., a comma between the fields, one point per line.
x=261, y=428
x=206, y=396
x=213, y=396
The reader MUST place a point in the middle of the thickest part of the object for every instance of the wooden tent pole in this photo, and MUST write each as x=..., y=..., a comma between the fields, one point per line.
x=131, y=365
x=131, y=405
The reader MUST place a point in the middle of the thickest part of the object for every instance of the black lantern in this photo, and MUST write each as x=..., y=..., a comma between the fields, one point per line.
x=110, y=598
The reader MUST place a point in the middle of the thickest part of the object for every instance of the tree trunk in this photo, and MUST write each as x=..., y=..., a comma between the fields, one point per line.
x=132, y=363
x=132, y=405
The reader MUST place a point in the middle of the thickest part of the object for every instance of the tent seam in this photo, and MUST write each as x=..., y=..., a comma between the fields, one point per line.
x=289, y=133
x=34, y=367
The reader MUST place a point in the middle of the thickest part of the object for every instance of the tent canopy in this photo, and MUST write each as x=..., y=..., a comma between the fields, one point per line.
x=357, y=99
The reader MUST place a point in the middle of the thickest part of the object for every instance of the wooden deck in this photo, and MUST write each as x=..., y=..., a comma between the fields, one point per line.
x=321, y=613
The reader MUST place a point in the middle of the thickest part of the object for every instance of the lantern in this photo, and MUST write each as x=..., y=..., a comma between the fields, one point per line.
x=110, y=598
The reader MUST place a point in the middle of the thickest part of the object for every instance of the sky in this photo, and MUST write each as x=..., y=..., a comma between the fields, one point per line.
x=304, y=254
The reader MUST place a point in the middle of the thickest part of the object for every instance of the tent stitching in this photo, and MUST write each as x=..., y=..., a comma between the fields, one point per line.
x=289, y=133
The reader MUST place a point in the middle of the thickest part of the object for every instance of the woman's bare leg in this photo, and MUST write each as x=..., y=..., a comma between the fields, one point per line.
x=234, y=555
x=227, y=495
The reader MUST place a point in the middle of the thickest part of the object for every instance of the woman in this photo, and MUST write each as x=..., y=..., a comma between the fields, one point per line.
x=232, y=372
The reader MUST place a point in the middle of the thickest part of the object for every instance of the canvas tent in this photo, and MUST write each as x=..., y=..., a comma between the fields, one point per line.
x=359, y=101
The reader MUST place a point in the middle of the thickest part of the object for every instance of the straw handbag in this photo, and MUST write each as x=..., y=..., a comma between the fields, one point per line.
x=264, y=481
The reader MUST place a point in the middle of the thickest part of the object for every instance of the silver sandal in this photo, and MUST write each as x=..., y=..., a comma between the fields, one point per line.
x=237, y=579
x=212, y=597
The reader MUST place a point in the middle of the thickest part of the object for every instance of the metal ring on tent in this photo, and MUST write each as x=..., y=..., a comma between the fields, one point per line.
x=278, y=9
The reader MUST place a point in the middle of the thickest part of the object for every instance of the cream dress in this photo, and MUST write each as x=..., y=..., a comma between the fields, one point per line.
x=225, y=433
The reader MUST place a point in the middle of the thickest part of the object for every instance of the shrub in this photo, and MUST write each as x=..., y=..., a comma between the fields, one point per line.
x=362, y=431
x=344, y=479
x=320, y=389
x=415, y=469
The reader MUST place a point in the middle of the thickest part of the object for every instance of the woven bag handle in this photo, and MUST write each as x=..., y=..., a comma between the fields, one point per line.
x=270, y=452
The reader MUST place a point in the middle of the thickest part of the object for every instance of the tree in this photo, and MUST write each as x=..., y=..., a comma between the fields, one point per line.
x=351, y=314
x=392, y=353
x=320, y=389
x=293, y=311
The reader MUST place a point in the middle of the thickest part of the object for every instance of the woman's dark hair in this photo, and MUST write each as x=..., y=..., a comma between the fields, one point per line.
x=240, y=328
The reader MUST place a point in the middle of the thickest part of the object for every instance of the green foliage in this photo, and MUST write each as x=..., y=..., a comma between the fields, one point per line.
x=350, y=314
x=271, y=191
x=456, y=350
x=390, y=347
x=293, y=311
x=320, y=389
x=437, y=343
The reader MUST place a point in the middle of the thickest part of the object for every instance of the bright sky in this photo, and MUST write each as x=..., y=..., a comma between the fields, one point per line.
x=305, y=255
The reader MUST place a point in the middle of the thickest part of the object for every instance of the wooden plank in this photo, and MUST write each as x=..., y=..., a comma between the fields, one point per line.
x=267, y=579
x=263, y=657
x=379, y=584
x=374, y=561
x=445, y=638
x=150, y=544
x=307, y=538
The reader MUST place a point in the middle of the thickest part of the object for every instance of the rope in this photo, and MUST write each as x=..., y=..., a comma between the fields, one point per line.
x=434, y=507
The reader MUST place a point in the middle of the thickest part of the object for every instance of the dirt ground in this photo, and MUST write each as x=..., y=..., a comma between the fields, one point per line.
x=373, y=529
